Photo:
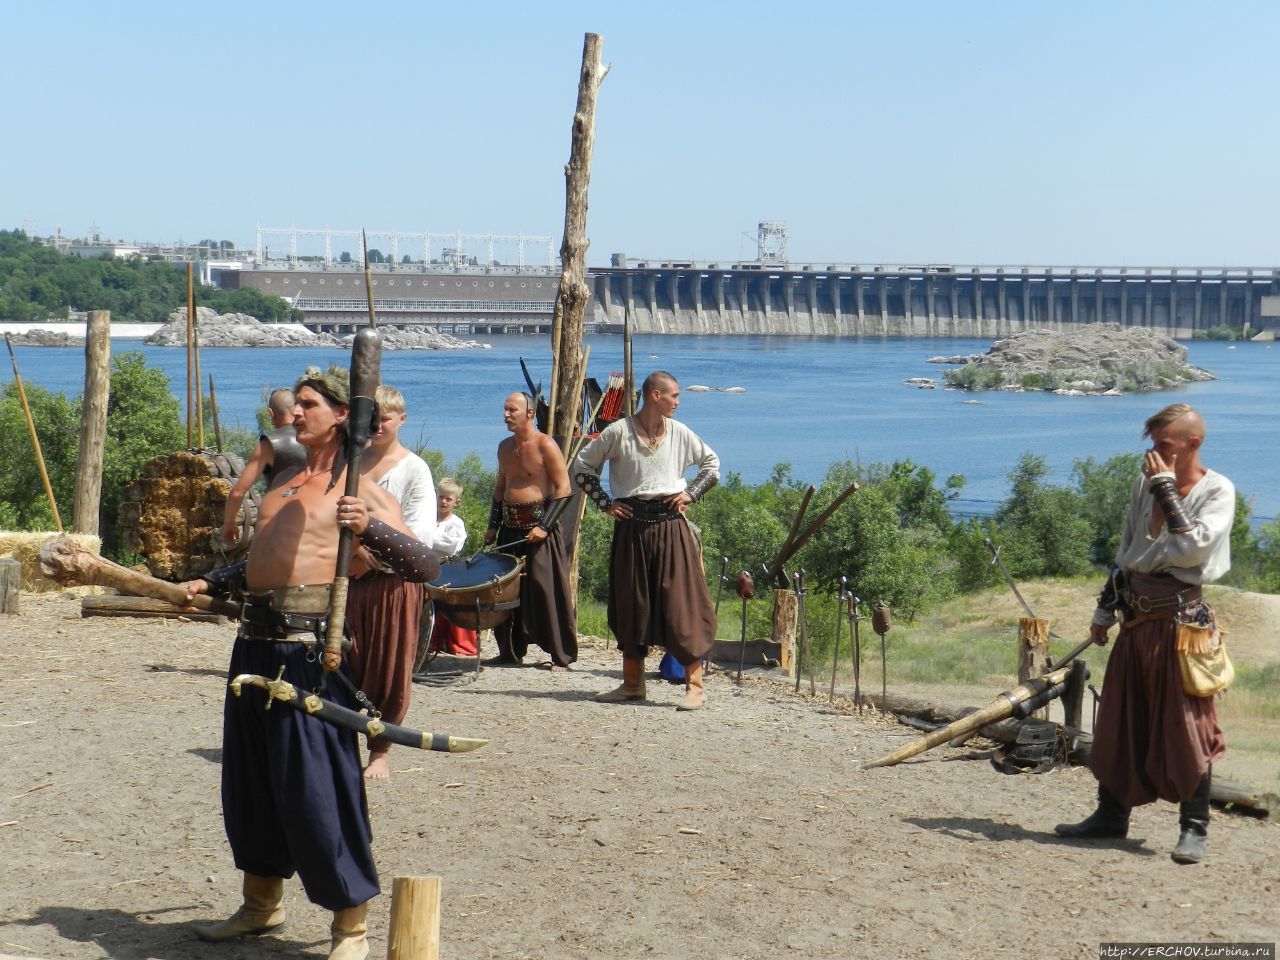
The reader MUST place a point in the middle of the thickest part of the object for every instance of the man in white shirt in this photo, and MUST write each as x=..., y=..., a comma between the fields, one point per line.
x=384, y=610
x=657, y=591
x=1152, y=740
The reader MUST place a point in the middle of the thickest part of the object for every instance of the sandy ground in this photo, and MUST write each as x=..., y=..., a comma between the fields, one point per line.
x=582, y=830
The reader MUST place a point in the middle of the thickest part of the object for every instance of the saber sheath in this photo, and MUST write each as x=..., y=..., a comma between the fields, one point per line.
x=340, y=716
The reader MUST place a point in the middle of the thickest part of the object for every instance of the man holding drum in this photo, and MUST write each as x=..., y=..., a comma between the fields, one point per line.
x=657, y=592
x=529, y=495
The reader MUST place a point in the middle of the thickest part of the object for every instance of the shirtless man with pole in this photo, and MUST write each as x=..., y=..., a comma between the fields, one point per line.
x=292, y=791
x=530, y=494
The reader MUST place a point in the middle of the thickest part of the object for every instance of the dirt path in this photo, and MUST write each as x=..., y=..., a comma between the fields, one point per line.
x=563, y=838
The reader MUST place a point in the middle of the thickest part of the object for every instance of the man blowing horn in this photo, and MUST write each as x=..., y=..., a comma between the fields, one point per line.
x=293, y=796
x=1152, y=740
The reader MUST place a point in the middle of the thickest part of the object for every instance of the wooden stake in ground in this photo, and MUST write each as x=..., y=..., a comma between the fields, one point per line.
x=575, y=295
x=1033, y=653
x=195, y=350
x=35, y=439
x=415, y=919
x=93, y=422
x=10, y=584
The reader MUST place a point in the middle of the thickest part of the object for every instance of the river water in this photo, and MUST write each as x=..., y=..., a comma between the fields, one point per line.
x=807, y=402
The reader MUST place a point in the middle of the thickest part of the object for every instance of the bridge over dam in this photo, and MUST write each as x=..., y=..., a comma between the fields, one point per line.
x=760, y=298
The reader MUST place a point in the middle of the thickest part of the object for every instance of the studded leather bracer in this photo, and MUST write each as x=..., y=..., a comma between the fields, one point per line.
x=551, y=515
x=590, y=485
x=1165, y=490
x=225, y=581
x=495, y=514
x=703, y=482
x=405, y=555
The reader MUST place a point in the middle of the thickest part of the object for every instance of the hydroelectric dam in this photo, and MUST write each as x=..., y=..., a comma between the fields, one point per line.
x=776, y=299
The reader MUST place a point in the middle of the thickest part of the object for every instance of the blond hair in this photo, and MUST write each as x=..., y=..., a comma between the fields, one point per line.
x=449, y=486
x=389, y=399
x=1171, y=414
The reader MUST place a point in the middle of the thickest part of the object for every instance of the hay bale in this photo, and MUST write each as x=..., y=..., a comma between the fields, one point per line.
x=24, y=546
x=172, y=513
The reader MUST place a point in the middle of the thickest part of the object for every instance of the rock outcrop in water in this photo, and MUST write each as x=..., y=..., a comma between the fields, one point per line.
x=241, y=330
x=421, y=338
x=46, y=338
x=236, y=330
x=1100, y=359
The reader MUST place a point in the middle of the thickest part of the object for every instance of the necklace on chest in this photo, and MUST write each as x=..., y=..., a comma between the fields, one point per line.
x=652, y=441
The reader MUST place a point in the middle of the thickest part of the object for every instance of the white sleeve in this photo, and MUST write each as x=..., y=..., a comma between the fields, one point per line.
x=418, y=502
x=450, y=536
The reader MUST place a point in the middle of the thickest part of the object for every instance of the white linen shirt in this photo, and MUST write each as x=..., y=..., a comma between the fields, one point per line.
x=410, y=482
x=637, y=471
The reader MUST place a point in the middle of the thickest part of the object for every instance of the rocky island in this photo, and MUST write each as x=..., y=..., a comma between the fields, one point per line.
x=1100, y=359
x=241, y=330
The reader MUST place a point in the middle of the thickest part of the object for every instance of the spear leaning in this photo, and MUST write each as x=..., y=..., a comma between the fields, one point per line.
x=35, y=440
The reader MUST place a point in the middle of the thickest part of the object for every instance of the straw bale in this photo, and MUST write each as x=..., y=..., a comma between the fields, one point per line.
x=172, y=513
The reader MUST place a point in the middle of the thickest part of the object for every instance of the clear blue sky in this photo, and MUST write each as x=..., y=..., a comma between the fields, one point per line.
x=921, y=132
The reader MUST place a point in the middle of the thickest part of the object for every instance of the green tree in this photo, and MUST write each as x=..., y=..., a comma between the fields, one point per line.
x=57, y=419
x=1042, y=528
x=1105, y=490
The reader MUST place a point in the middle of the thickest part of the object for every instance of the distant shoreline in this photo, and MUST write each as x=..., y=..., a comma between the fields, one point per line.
x=76, y=328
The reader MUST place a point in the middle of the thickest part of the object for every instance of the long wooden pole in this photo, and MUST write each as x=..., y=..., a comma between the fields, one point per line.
x=575, y=295
x=93, y=422
x=191, y=363
x=213, y=408
x=368, y=280
x=195, y=347
x=628, y=371
x=35, y=440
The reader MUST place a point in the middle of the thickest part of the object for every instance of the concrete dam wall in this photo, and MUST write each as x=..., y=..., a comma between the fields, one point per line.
x=984, y=302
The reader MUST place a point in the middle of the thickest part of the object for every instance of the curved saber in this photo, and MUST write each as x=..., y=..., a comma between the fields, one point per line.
x=340, y=716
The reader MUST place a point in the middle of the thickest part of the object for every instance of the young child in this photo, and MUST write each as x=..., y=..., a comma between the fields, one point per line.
x=449, y=537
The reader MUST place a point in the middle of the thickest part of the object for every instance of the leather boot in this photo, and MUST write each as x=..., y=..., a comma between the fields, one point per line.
x=694, y=695
x=261, y=912
x=349, y=933
x=632, y=687
x=1193, y=819
x=1109, y=821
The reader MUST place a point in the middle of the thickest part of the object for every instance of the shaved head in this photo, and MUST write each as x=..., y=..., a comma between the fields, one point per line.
x=1184, y=418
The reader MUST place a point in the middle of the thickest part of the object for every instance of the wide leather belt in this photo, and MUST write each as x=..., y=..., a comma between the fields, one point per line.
x=1155, y=594
x=523, y=516
x=285, y=615
x=651, y=511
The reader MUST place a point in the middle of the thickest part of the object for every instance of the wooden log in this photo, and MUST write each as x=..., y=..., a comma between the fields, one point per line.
x=415, y=919
x=93, y=422
x=575, y=295
x=1033, y=654
x=142, y=607
x=10, y=584
x=786, y=608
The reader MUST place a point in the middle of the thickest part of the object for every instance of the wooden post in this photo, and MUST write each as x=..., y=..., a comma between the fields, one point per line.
x=93, y=422
x=10, y=584
x=575, y=295
x=785, y=618
x=1073, y=699
x=1033, y=653
x=191, y=363
x=415, y=919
